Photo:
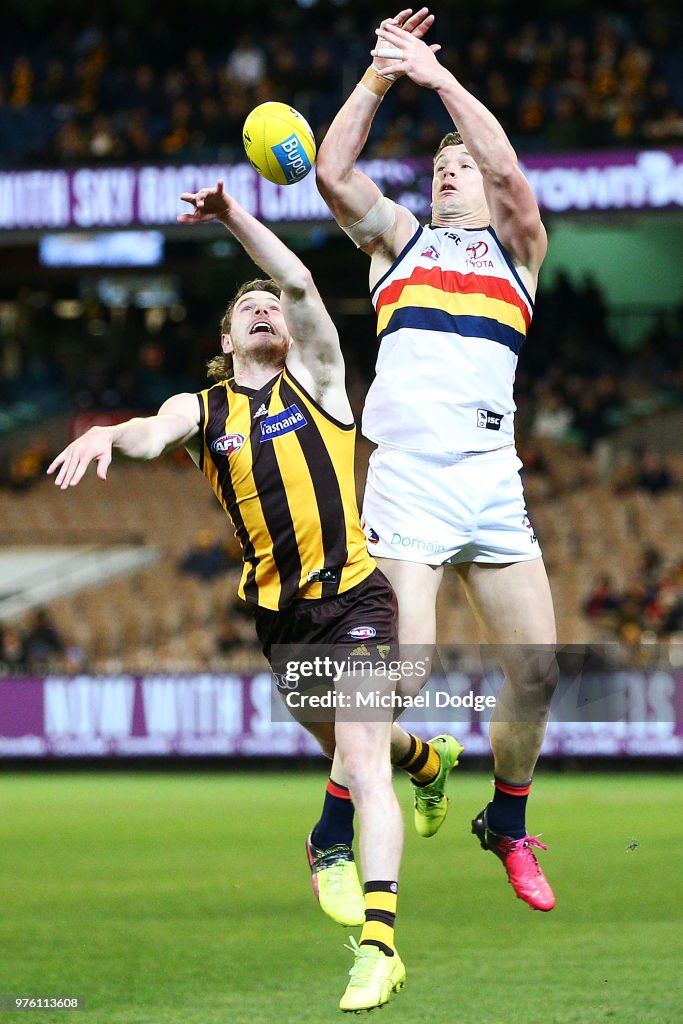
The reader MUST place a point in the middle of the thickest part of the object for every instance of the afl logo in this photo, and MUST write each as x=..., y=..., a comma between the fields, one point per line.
x=371, y=535
x=227, y=444
x=477, y=250
x=362, y=632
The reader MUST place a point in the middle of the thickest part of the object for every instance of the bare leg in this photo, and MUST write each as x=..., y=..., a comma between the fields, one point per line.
x=514, y=607
x=416, y=587
x=363, y=748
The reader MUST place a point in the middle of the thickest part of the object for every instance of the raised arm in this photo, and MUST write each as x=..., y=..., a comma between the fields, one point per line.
x=511, y=201
x=176, y=423
x=308, y=322
x=377, y=226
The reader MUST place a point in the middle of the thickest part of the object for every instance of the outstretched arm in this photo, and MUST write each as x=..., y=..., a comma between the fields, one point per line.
x=176, y=423
x=305, y=315
x=512, y=204
x=349, y=193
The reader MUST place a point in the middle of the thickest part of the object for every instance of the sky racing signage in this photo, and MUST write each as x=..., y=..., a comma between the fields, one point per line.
x=148, y=196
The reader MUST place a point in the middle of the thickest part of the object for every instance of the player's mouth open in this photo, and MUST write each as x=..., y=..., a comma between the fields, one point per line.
x=261, y=327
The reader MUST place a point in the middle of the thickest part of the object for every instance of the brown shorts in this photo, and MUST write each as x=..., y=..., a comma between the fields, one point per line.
x=363, y=619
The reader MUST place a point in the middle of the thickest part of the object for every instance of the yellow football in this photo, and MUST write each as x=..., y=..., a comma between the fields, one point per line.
x=279, y=143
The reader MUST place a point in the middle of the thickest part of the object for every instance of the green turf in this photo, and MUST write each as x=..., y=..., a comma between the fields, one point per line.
x=166, y=899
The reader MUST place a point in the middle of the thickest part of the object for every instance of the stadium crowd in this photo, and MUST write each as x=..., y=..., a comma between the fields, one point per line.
x=576, y=389
x=573, y=384
x=650, y=606
x=115, y=91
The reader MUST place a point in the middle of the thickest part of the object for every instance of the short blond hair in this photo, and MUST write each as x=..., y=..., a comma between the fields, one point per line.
x=452, y=139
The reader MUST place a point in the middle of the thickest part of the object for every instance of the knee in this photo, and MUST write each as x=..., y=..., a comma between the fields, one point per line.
x=539, y=674
x=366, y=779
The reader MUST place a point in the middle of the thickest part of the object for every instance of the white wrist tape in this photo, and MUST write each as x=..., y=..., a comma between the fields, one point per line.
x=379, y=219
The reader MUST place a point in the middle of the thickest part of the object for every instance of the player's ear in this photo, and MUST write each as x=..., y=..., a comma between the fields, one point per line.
x=226, y=344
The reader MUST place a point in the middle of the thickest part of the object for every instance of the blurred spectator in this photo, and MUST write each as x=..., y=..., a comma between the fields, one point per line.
x=179, y=133
x=236, y=629
x=27, y=466
x=103, y=143
x=652, y=601
x=75, y=660
x=662, y=120
x=602, y=600
x=207, y=558
x=653, y=474
x=587, y=80
x=69, y=144
x=12, y=651
x=42, y=642
x=246, y=65
x=553, y=417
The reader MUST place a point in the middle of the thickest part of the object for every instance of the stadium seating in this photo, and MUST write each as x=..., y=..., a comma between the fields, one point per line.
x=157, y=618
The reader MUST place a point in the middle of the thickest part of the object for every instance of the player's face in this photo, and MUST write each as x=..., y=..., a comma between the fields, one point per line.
x=257, y=328
x=457, y=184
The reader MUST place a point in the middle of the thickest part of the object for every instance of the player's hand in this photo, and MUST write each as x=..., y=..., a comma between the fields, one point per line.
x=416, y=60
x=417, y=24
x=209, y=204
x=93, y=446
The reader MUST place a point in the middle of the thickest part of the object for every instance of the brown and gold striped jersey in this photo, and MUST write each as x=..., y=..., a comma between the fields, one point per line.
x=282, y=469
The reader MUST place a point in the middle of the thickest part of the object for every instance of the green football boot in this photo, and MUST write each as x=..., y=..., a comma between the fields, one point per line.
x=431, y=802
x=372, y=979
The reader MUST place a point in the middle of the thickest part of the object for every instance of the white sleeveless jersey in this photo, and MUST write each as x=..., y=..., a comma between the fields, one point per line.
x=452, y=315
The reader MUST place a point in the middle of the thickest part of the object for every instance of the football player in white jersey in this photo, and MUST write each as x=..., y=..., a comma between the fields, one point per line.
x=454, y=301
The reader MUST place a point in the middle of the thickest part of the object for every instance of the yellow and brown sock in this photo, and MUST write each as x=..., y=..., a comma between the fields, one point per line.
x=422, y=762
x=380, y=916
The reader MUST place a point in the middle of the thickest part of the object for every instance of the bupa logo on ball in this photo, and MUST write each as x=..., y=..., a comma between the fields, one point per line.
x=292, y=158
x=362, y=632
x=227, y=444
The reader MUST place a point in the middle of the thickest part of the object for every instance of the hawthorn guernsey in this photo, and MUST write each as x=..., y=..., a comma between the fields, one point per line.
x=289, y=419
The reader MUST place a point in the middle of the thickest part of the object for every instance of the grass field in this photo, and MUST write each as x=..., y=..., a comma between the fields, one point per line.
x=184, y=899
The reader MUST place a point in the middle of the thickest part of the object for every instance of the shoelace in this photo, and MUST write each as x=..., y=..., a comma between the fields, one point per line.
x=429, y=799
x=364, y=962
x=528, y=841
x=335, y=877
x=525, y=843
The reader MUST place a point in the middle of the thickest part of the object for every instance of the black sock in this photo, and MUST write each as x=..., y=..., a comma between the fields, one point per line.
x=336, y=821
x=506, y=813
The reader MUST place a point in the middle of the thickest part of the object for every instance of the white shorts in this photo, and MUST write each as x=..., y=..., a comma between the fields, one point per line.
x=472, y=509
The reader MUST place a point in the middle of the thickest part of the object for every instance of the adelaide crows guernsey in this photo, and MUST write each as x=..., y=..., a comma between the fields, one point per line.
x=282, y=469
x=452, y=315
